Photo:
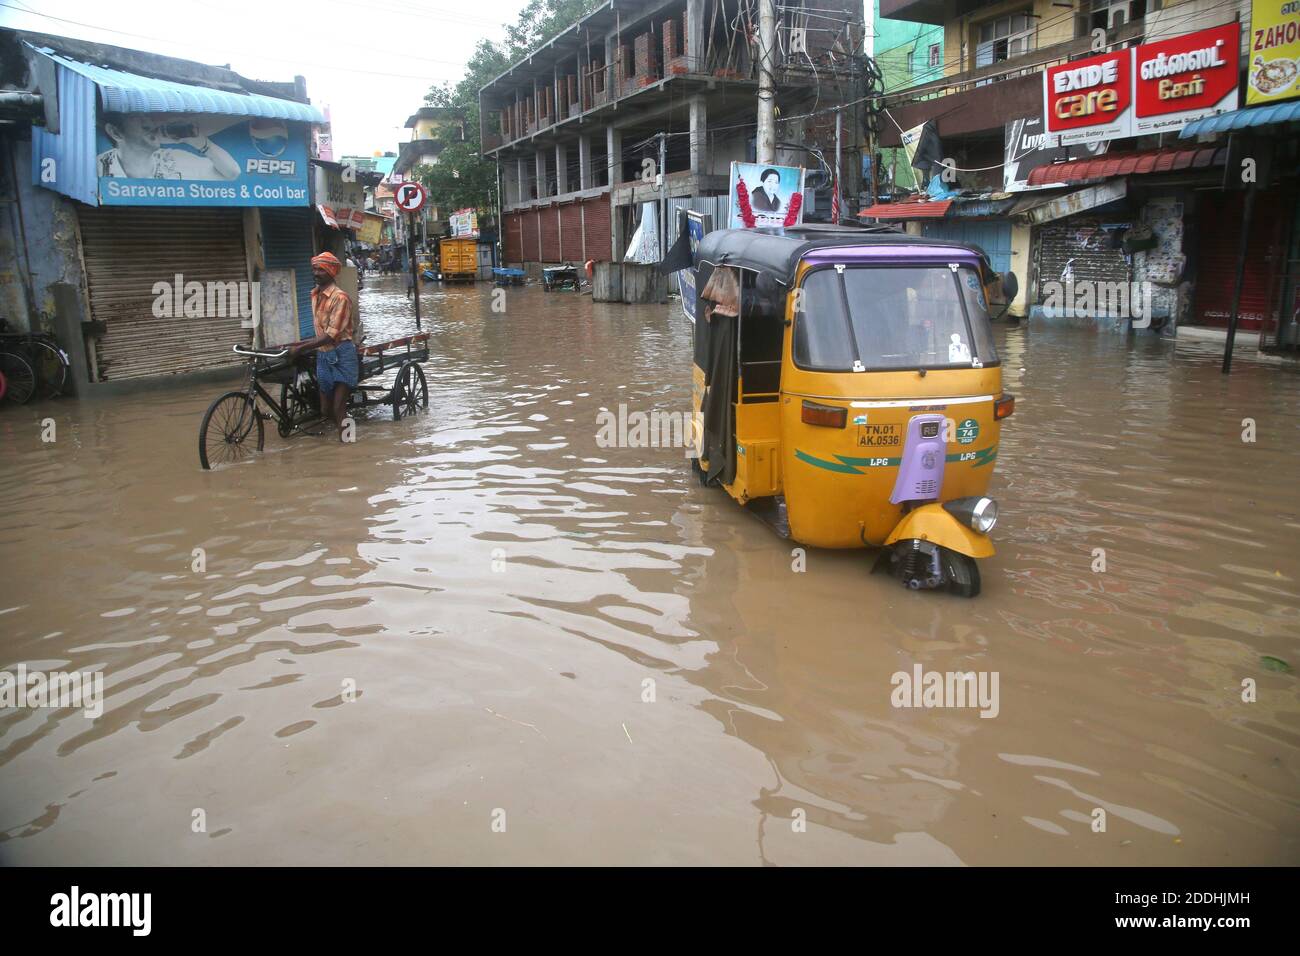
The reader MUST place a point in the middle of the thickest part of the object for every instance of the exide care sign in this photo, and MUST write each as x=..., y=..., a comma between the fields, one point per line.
x=1153, y=88
x=1186, y=78
x=1091, y=99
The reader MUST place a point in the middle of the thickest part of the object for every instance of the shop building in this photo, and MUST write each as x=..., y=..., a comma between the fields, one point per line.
x=161, y=210
x=1143, y=192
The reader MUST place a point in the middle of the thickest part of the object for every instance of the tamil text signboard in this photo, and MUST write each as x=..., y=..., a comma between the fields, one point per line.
x=1186, y=78
x=1156, y=87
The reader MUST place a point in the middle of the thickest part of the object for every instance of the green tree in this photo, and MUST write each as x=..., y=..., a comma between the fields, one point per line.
x=462, y=178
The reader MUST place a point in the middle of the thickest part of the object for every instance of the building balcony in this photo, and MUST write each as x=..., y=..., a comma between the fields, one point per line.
x=927, y=11
x=990, y=95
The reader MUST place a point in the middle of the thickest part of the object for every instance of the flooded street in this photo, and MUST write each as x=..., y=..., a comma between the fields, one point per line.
x=620, y=666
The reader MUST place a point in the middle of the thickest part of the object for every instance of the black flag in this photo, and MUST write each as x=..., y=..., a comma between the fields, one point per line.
x=679, y=256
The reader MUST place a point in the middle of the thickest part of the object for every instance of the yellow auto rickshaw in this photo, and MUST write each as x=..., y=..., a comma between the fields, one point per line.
x=847, y=388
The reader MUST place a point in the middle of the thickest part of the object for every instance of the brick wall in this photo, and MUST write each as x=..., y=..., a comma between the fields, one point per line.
x=674, y=46
x=597, y=85
x=646, y=58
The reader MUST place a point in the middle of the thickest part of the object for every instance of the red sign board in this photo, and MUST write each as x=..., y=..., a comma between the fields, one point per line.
x=1185, y=78
x=1091, y=99
x=409, y=197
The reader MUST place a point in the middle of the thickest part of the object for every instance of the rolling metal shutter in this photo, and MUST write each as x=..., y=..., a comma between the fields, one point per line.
x=1078, y=248
x=991, y=235
x=595, y=213
x=287, y=244
x=127, y=251
x=530, y=237
x=550, y=234
x=514, y=251
x=1219, y=216
x=571, y=239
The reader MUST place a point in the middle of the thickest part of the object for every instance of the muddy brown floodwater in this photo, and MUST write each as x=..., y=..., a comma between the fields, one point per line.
x=499, y=589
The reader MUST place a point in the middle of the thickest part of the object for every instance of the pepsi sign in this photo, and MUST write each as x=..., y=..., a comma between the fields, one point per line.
x=200, y=159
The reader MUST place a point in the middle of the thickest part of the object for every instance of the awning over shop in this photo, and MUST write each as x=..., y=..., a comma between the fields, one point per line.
x=907, y=209
x=129, y=93
x=342, y=218
x=1040, y=209
x=1243, y=119
x=1130, y=164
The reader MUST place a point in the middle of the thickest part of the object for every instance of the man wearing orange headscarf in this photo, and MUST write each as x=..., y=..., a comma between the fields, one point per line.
x=334, y=320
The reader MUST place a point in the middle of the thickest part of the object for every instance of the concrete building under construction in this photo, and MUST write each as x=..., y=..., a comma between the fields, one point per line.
x=651, y=102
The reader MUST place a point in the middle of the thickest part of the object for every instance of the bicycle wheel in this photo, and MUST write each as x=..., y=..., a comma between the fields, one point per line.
x=227, y=433
x=51, y=364
x=20, y=377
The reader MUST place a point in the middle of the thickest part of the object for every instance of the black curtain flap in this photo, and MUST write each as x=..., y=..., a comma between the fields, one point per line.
x=720, y=400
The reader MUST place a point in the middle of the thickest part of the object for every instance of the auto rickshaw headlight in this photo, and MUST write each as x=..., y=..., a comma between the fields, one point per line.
x=979, y=513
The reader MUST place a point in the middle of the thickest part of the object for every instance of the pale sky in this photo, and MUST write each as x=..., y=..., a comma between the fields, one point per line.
x=369, y=61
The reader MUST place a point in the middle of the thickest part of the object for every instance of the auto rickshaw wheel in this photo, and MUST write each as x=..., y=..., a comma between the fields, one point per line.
x=700, y=473
x=960, y=573
x=923, y=565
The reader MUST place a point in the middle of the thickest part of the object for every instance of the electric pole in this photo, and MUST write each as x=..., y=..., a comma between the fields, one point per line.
x=663, y=192
x=766, y=145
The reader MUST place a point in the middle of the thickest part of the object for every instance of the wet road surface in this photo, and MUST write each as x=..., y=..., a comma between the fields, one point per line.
x=506, y=597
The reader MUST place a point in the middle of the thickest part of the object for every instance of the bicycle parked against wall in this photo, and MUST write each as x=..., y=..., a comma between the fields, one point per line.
x=33, y=364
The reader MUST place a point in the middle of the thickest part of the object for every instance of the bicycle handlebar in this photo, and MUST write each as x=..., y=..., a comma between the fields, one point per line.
x=271, y=355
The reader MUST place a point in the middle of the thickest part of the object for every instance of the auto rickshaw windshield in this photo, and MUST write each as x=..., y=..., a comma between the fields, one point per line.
x=892, y=317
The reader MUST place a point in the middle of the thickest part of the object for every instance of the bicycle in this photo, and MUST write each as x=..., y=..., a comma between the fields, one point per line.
x=228, y=424
x=41, y=353
x=20, y=377
x=233, y=429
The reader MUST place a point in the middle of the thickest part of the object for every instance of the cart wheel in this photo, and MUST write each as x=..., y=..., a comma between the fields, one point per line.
x=20, y=377
x=227, y=433
x=410, y=391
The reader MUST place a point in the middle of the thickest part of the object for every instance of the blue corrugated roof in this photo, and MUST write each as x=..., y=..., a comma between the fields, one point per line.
x=1243, y=119
x=69, y=155
x=129, y=93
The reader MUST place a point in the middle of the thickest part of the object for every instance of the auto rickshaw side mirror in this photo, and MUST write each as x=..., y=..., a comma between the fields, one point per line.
x=1010, y=286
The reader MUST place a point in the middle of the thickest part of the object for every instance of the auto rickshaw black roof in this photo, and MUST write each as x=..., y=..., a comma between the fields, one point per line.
x=779, y=255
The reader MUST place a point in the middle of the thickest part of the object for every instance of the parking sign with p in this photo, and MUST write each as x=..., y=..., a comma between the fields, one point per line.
x=410, y=197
